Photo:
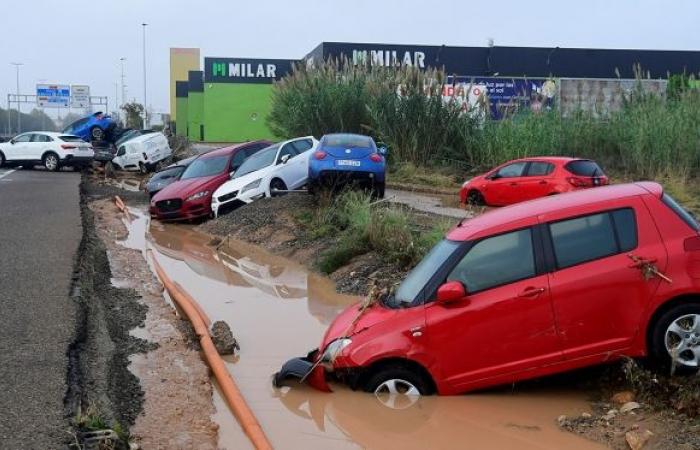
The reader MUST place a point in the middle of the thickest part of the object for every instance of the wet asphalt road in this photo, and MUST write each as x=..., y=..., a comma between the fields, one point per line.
x=40, y=232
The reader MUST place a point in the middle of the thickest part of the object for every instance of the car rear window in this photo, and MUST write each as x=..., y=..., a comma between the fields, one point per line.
x=347, y=140
x=584, y=168
x=70, y=139
x=681, y=212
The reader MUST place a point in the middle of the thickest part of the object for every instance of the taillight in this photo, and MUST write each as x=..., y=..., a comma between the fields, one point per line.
x=376, y=157
x=320, y=154
x=576, y=182
x=692, y=244
x=145, y=156
x=68, y=147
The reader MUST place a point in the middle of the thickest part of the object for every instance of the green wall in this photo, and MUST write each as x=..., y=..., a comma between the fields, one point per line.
x=236, y=112
x=181, y=117
x=195, y=109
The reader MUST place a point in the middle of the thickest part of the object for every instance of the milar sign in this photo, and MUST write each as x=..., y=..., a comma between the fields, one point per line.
x=389, y=58
x=240, y=70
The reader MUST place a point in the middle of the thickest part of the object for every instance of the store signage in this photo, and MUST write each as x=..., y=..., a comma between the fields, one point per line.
x=389, y=58
x=240, y=70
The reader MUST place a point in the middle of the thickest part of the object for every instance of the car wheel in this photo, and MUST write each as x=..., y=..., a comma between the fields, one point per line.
x=277, y=185
x=142, y=168
x=96, y=133
x=675, y=342
x=2, y=159
x=51, y=162
x=378, y=190
x=397, y=387
x=475, y=198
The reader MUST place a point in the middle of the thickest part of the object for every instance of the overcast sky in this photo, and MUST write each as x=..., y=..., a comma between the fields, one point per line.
x=80, y=42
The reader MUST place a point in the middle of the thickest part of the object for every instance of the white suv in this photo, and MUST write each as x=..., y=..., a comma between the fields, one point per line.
x=52, y=150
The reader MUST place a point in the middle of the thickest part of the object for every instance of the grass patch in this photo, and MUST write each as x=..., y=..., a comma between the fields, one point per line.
x=439, y=177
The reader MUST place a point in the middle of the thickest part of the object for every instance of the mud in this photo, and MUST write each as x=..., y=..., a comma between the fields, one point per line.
x=278, y=309
x=175, y=404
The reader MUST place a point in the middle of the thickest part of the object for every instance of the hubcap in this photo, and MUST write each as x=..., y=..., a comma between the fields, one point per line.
x=51, y=162
x=397, y=394
x=683, y=340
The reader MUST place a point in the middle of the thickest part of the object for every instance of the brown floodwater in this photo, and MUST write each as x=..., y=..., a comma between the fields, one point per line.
x=277, y=310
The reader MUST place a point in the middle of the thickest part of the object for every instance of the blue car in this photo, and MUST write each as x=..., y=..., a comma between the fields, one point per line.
x=95, y=127
x=348, y=159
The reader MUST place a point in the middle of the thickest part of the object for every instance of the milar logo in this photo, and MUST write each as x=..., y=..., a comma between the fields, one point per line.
x=241, y=70
x=388, y=58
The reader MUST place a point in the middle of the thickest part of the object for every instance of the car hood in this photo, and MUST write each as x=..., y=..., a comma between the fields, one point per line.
x=237, y=183
x=184, y=188
x=348, y=152
x=342, y=325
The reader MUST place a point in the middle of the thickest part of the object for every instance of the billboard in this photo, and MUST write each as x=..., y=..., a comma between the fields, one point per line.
x=245, y=70
x=53, y=95
x=79, y=96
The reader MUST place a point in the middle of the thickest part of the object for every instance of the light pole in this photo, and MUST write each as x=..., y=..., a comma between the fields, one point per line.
x=145, y=102
x=19, y=114
x=122, y=59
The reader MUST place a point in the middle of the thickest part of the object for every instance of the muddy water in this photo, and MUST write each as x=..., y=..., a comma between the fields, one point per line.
x=278, y=310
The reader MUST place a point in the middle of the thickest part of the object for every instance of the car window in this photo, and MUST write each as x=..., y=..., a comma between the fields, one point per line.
x=166, y=174
x=584, y=168
x=302, y=145
x=288, y=149
x=592, y=237
x=539, y=169
x=24, y=137
x=238, y=159
x=205, y=167
x=36, y=137
x=76, y=124
x=496, y=261
x=512, y=170
x=347, y=140
x=263, y=158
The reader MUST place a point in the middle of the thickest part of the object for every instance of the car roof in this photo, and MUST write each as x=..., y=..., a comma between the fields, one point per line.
x=48, y=133
x=231, y=148
x=562, y=159
x=501, y=217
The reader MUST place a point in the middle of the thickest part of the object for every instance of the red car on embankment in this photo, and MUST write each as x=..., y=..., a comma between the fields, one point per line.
x=190, y=196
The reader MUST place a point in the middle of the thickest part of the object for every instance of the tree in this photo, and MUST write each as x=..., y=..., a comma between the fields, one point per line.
x=134, y=114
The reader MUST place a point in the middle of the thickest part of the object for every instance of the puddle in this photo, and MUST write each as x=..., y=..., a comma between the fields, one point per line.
x=278, y=310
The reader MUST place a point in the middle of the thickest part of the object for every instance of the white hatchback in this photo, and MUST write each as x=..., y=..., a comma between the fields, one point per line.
x=50, y=149
x=279, y=167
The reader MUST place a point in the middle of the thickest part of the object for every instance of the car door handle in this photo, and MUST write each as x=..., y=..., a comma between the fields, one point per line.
x=531, y=292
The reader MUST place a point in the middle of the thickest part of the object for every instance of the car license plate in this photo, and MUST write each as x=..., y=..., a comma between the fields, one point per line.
x=348, y=162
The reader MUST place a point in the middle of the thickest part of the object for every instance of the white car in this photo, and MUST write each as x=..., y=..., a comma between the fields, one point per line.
x=143, y=152
x=50, y=149
x=279, y=167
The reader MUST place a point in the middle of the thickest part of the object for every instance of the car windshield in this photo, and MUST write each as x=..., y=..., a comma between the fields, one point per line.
x=263, y=158
x=205, y=167
x=347, y=140
x=420, y=275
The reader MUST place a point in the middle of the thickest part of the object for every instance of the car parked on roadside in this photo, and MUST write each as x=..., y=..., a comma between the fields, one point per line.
x=167, y=176
x=279, y=167
x=142, y=153
x=529, y=290
x=528, y=178
x=95, y=127
x=50, y=149
x=342, y=159
x=190, y=196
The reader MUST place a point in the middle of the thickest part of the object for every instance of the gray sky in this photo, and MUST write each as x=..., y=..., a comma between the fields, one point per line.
x=58, y=43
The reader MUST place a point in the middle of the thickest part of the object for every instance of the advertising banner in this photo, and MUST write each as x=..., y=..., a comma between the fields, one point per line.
x=245, y=70
x=53, y=95
x=80, y=96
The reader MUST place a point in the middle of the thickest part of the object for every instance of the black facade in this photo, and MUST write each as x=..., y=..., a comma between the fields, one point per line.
x=181, y=89
x=195, y=81
x=517, y=61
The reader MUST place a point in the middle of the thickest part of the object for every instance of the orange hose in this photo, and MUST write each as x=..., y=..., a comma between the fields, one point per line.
x=191, y=299
x=231, y=393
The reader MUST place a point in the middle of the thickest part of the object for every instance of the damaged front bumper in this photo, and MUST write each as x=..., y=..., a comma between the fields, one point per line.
x=304, y=370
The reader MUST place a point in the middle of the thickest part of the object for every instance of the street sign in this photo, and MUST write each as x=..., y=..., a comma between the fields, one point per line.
x=53, y=95
x=79, y=96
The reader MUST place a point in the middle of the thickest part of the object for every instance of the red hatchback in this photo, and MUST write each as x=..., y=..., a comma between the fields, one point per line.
x=190, y=196
x=528, y=178
x=529, y=290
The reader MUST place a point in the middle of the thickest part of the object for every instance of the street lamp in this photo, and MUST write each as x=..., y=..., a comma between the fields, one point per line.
x=145, y=108
x=19, y=114
x=122, y=59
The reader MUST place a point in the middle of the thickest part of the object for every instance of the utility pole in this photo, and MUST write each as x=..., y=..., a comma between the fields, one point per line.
x=19, y=114
x=122, y=59
x=145, y=101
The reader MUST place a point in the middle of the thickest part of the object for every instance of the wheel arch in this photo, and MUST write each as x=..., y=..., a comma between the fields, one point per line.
x=409, y=364
x=661, y=309
x=47, y=152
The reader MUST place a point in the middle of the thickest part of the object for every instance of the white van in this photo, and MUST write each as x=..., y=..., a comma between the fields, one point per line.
x=142, y=153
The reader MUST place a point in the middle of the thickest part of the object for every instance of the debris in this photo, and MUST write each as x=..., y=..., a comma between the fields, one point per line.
x=586, y=415
x=561, y=420
x=637, y=440
x=629, y=407
x=610, y=415
x=109, y=170
x=223, y=338
x=623, y=397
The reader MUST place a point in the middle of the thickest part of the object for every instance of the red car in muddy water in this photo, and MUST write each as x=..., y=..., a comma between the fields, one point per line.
x=530, y=178
x=190, y=196
x=529, y=290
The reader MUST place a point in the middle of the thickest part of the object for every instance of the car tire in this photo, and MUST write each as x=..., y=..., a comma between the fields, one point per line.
x=51, y=162
x=96, y=134
x=669, y=331
x=2, y=159
x=378, y=190
x=397, y=378
x=277, y=185
x=475, y=198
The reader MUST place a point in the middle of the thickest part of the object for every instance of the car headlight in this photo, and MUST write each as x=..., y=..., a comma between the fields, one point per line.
x=198, y=195
x=333, y=349
x=252, y=185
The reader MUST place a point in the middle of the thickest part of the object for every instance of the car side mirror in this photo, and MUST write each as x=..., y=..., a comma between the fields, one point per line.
x=451, y=292
x=230, y=175
x=284, y=159
x=122, y=151
x=12, y=141
x=382, y=151
x=493, y=176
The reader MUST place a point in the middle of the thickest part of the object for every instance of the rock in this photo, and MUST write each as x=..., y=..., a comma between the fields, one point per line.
x=610, y=415
x=629, y=407
x=623, y=397
x=561, y=420
x=636, y=440
x=223, y=338
x=586, y=415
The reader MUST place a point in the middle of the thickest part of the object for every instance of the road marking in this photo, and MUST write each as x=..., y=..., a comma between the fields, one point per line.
x=2, y=175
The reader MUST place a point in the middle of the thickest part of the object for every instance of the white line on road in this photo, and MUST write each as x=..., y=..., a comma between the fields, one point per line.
x=2, y=175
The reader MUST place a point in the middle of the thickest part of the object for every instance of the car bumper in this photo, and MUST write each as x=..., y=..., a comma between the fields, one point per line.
x=188, y=211
x=340, y=177
x=75, y=161
x=236, y=201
